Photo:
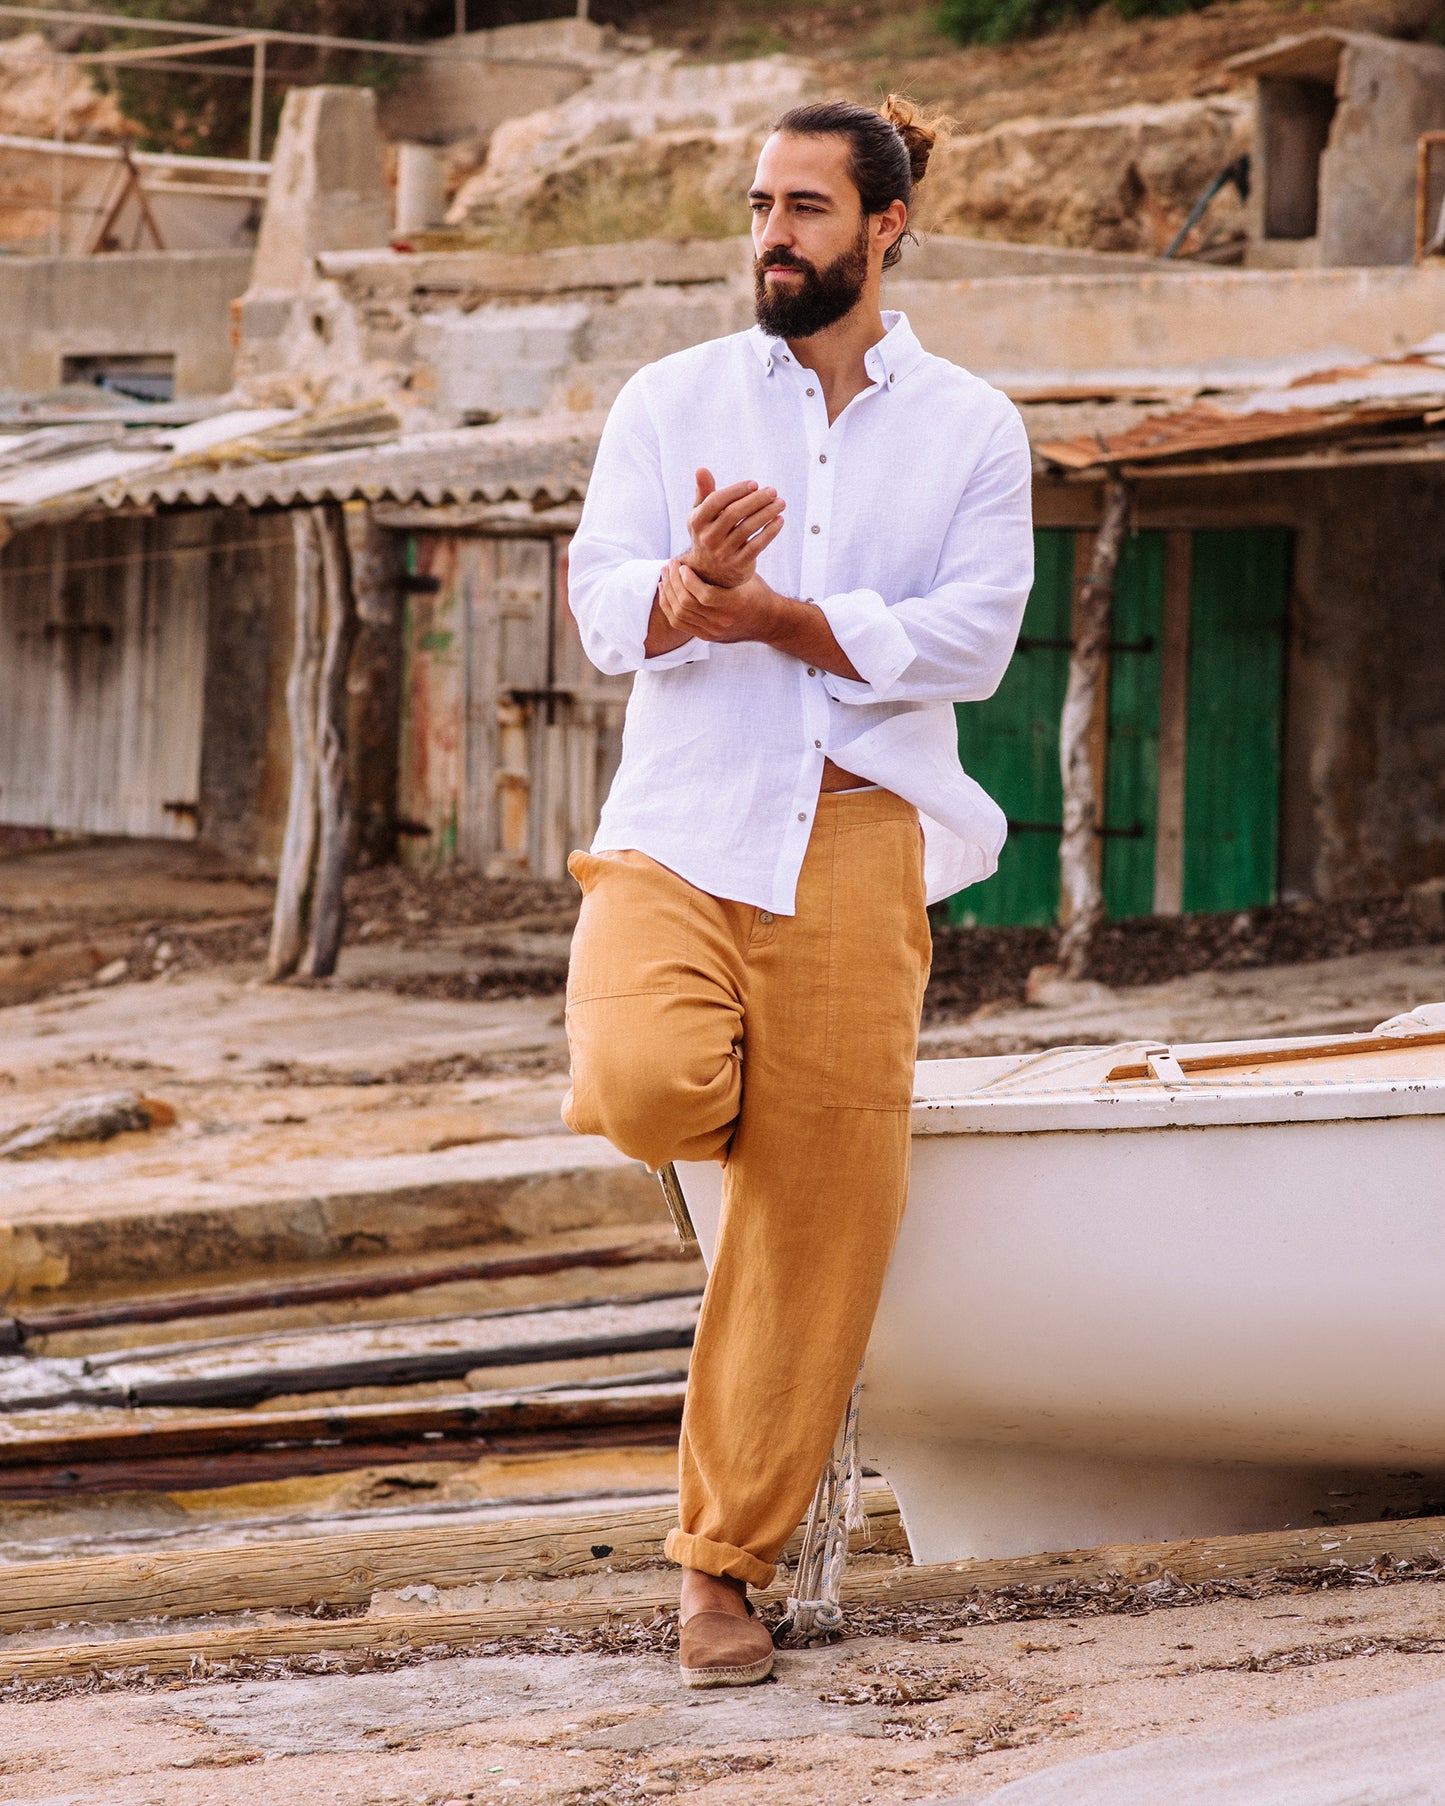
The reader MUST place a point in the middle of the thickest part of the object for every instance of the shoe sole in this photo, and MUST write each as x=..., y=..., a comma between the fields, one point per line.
x=747, y=1676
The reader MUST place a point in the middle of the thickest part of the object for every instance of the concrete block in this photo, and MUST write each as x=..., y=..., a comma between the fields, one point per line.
x=326, y=190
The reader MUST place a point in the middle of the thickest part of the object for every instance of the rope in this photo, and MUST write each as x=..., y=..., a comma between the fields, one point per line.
x=815, y=1612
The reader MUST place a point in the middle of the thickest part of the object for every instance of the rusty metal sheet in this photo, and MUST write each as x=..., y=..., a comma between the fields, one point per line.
x=1326, y=404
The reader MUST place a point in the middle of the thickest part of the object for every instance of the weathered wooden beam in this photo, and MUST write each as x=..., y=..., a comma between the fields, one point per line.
x=1194, y=1562
x=298, y=847
x=246, y=1370
x=431, y=1419
x=346, y=1568
x=1081, y=892
x=225, y=1301
x=333, y=776
x=203, y=1472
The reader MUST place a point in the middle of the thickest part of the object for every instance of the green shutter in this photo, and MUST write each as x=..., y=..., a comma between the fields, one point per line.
x=1010, y=744
x=1131, y=781
x=1239, y=597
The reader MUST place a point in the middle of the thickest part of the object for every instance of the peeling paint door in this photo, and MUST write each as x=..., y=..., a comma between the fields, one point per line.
x=1131, y=751
x=509, y=737
x=1237, y=584
x=102, y=676
x=1240, y=596
x=1010, y=744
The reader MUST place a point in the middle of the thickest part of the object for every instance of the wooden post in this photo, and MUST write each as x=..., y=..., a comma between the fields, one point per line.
x=298, y=848
x=374, y=719
x=1080, y=888
x=332, y=773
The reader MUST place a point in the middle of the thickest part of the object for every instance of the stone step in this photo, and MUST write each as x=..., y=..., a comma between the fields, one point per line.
x=62, y=1236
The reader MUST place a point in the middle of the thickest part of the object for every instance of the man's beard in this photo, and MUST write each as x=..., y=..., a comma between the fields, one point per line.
x=821, y=299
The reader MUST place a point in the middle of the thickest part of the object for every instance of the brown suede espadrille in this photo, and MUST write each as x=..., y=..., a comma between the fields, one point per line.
x=719, y=1649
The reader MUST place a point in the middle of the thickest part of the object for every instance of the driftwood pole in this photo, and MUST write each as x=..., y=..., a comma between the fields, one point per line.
x=298, y=848
x=1081, y=891
x=332, y=772
x=307, y=923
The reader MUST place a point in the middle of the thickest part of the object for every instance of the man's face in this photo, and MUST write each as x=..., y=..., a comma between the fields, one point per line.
x=811, y=238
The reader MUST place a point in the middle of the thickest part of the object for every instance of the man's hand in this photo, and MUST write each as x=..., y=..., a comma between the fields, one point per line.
x=748, y=611
x=729, y=528
x=708, y=611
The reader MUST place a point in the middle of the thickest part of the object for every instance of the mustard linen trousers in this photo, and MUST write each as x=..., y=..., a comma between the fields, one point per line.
x=782, y=1046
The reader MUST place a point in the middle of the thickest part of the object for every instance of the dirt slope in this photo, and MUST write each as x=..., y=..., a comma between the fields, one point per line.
x=866, y=46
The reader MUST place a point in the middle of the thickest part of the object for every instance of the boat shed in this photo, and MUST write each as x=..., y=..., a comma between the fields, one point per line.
x=1269, y=724
x=146, y=626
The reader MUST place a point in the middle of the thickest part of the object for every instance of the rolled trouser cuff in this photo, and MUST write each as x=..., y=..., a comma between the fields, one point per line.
x=725, y=1560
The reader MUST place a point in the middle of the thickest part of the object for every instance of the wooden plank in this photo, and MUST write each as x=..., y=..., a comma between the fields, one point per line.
x=202, y=1472
x=1241, y=580
x=347, y=1567
x=241, y=1371
x=1010, y=744
x=1173, y=723
x=464, y=1414
x=222, y=1301
x=1194, y=1562
x=1283, y=1053
x=1130, y=780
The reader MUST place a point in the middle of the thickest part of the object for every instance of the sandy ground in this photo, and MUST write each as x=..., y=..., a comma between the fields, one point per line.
x=869, y=1720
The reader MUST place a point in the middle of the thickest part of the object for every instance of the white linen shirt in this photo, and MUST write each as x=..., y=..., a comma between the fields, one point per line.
x=907, y=523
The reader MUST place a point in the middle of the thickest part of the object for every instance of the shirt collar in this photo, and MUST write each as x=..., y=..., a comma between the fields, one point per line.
x=887, y=362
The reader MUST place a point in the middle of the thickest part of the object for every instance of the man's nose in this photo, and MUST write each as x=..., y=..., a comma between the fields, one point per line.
x=775, y=229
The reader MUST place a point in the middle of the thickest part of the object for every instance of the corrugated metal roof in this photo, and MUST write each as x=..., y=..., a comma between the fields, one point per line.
x=275, y=458
x=1328, y=404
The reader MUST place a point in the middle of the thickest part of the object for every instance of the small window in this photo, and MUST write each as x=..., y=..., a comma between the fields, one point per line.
x=1294, y=126
x=139, y=376
x=1430, y=198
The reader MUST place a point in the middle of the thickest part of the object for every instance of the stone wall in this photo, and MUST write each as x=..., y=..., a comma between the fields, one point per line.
x=175, y=303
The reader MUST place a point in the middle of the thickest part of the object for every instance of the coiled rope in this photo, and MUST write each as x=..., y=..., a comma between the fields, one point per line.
x=815, y=1611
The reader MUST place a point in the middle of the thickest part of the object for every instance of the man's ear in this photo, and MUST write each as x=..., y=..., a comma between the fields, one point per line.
x=889, y=225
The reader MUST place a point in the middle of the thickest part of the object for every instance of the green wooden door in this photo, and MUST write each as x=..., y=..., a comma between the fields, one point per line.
x=1011, y=745
x=1131, y=770
x=1239, y=589
x=1239, y=598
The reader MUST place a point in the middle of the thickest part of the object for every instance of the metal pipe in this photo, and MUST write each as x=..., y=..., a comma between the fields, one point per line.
x=317, y=40
x=258, y=98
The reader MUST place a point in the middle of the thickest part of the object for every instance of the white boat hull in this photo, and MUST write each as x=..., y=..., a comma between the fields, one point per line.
x=1173, y=1323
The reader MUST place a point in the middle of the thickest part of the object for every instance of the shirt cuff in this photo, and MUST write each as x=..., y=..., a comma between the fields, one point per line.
x=688, y=653
x=637, y=582
x=877, y=644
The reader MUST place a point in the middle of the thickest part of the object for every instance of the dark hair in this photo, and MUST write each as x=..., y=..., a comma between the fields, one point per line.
x=888, y=150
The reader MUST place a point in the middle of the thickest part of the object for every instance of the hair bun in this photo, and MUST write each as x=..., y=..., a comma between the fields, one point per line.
x=919, y=134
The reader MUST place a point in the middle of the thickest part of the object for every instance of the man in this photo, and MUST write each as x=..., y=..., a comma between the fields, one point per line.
x=808, y=541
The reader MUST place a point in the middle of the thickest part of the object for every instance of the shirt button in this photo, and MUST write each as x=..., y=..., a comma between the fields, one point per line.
x=815, y=529
x=812, y=670
x=802, y=815
x=810, y=391
x=818, y=744
x=763, y=916
x=822, y=457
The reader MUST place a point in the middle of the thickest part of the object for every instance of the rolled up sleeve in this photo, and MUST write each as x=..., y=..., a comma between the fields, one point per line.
x=621, y=544
x=877, y=644
x=954, y=643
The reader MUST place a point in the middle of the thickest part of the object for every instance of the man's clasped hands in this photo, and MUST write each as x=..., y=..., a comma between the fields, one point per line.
x=713, y=591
